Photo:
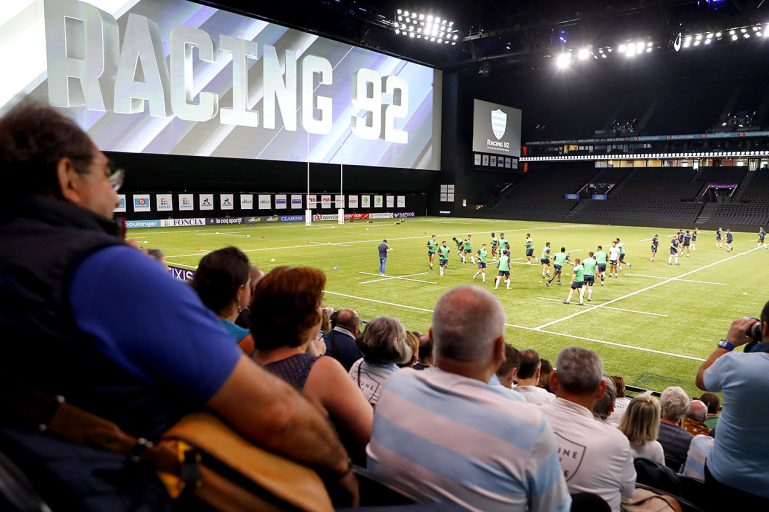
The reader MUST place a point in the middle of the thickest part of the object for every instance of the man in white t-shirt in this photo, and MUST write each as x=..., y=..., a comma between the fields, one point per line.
x=528, y=378
x=595, y=457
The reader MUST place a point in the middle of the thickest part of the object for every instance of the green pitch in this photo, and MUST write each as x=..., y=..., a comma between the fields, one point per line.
x=653, y=325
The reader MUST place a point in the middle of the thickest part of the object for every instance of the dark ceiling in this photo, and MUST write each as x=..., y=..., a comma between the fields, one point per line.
x=511, y=36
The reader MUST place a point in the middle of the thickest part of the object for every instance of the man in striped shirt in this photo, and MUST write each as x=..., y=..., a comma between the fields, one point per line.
x=447, y=435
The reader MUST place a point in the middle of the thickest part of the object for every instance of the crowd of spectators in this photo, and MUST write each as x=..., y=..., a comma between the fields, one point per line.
x=454, y=415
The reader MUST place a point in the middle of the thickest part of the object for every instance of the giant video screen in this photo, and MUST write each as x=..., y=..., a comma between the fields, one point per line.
x=496, y=129
x=174, y=77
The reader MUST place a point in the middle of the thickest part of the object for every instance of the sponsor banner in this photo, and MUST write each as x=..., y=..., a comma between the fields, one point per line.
x=164, y=202
x=135, y=224
x=142, y=203
x=224, y=220
x=391, y=201
x=120, y=203
x=722, y=185
x=182, y=274
x=365, y=201
x=339, y=201
x=280, y=202
x=272, y=218
x=292, y=218
x=378, y=201
x=252, y=220
x=599, y=197
x=356, y=216
x=296, y=202
x=571, y=196
x=404, y=215
x=226, y=202
x=265, y=202
x=352, y=201
x=401, y=201
x=206, y=201
x=183, y=222
x=312, y=202
x=325, y=201
x=319, y=216
x=381, y=216
x=186, y=202
x=246, y=201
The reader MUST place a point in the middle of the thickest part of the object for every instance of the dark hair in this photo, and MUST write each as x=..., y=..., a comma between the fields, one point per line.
x=218, y=277
x=155, y=253
x=425, y=349
x=530, y=362
x=285, y=305
x=712, y=401
x=545, y=369
x=33, y=139
x=512, y=360
x=765, y=313
x=619, y=383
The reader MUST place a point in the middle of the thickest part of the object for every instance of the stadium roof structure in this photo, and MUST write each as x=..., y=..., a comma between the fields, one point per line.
x=524, y=34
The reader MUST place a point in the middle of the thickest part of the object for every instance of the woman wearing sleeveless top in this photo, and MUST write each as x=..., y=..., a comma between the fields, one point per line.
x=285, y=320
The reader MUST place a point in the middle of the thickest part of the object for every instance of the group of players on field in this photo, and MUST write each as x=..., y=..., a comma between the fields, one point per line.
x=585, y=270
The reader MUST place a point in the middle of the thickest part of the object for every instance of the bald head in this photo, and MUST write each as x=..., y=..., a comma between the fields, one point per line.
x=697, y=410
x=466, y=322
x=348, y=319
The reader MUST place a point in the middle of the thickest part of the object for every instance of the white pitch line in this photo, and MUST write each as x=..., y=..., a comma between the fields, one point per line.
x=387, y=278
x=564, y=335
x=616, y=309
x=336, y=244
x=683, y=280
x=677, y=278
x=222, y=233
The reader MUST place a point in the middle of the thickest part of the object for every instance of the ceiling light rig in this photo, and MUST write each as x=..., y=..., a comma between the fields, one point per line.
x=732, y=35
x=426, y=27
x=628, y=49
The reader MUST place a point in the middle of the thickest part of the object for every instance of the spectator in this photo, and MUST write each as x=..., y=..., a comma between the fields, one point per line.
x=133, y=346
x=254, y=275
x=340, y=341
x=694, y=422
x=528, y=378
x=674, y=439
x=507, y=371
x=641, y=425
x=383, y=345
x=158, y=255
x=736, y=469
x=412, y=340
x=714, y=407
x=699, y=449
x=425, y=357
x=595, y=457
x=325, y=322
x=287, y=311
x=605, y=405
x=446, y=435
x=223, y=284
x=545, y=370
x=621, y=402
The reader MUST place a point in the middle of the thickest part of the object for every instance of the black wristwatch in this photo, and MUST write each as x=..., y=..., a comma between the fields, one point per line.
x=726, y=345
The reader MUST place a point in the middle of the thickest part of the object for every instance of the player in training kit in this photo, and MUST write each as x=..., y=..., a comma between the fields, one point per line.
x=529, y=248
x=482, y=254
x=432, y=246
x=761, y=237
x=503, y=245
x=504, y=270
x=577, y=282
x=494, y=245
x=589, y=265
x=673, y=250
x=719, y=236
x=545, y=260
x=600, y=258
x=621, y=248
x=655, y=245
x=468, y=248
x=559, y=260
x=681, y=242
x=460, y=249
x=729, y=240
x=694, y=239
x=443, y=257
x=613, y=259
x=687, y=243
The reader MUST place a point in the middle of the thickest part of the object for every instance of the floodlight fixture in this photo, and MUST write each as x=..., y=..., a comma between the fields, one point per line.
x=583, y=54
x=563, y=60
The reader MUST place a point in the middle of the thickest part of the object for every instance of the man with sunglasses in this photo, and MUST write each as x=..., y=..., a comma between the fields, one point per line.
x=85, y=317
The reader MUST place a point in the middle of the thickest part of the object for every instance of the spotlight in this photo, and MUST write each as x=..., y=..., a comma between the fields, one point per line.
x=583, y=54
x=622, y=48
x=563, y=60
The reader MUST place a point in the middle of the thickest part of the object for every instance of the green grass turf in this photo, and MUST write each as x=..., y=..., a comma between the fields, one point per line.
x=647, y=350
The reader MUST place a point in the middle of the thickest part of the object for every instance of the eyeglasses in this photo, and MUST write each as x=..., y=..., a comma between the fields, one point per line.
x=115, y=175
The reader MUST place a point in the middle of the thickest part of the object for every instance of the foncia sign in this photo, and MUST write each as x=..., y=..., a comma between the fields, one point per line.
x=89, y=67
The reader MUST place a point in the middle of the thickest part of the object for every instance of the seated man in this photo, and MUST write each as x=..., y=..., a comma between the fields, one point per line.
x=89, y=318
x=714, y=407
x=674, y=439
x=447, y=435
x=528, y=378
x=595, y=456
x=340, y=342
x=694, y=422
